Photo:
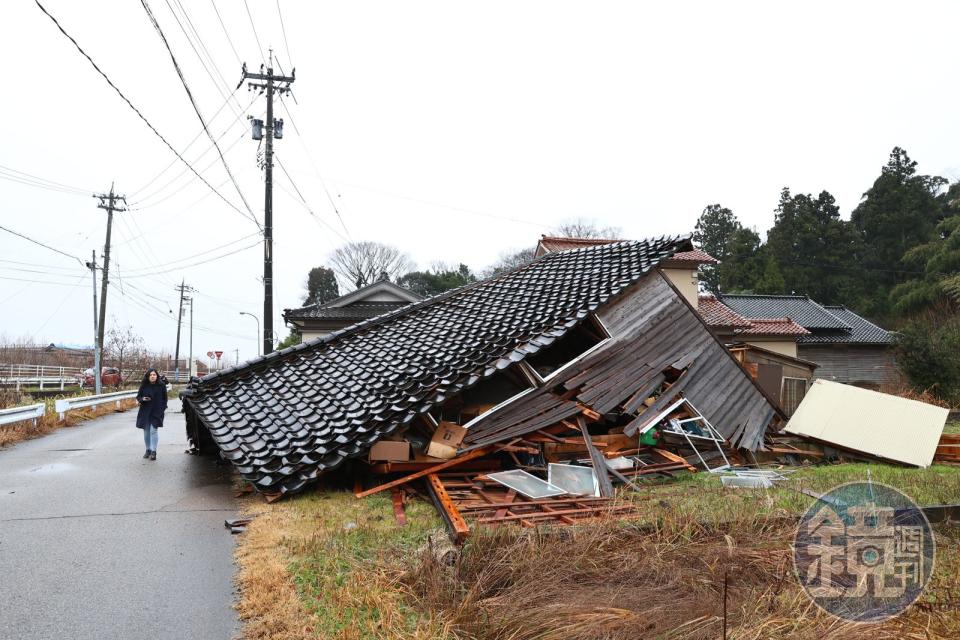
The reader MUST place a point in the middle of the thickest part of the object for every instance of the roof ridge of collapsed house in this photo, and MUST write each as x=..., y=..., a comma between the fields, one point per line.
x=267, y=359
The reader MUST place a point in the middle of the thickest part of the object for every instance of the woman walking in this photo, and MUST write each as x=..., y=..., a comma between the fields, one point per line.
x=152, y=397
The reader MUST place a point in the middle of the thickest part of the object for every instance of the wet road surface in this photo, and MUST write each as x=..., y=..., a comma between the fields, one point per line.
x=96, y=542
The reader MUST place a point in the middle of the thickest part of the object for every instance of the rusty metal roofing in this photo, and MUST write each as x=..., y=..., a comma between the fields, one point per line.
x=695, y=257
x=878, y=424
x=285, y=418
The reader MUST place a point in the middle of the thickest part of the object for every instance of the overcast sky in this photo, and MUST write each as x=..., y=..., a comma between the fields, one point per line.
x=455, y=131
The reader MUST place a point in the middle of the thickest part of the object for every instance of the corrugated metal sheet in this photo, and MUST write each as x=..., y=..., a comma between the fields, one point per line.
x=871, y=422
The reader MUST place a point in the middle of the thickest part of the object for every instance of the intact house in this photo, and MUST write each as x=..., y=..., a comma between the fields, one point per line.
x=319, y=320
x=596, y=338
x=846, y=347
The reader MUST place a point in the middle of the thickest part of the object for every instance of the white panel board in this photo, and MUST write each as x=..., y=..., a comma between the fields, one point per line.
x=869, y=421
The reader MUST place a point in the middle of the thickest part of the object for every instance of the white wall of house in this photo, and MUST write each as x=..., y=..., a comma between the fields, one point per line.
x=686, y=281
x=310, y=335
x=786, y=347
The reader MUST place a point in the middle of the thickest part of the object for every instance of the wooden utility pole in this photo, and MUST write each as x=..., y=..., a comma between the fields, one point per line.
x=108, y=201
x=271, y=85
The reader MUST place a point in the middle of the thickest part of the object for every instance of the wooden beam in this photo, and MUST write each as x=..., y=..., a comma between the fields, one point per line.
x=458, y=526
x=398, y=511
x=598, y=461
x=476, y=453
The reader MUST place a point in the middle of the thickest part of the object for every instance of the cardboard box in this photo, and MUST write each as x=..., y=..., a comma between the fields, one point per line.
x=445, y=441
x=389, y=451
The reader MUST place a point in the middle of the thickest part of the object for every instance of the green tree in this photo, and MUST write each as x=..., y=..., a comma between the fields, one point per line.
x=321, y=286
x=437, y=280
x=743, y=263
x=292, y=338
x=937, y=268
x=816, y=251
x=900, y=211
x=715, y=232
x=928, y=352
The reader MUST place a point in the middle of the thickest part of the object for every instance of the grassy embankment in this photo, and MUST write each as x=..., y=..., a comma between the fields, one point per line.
x=326, y=565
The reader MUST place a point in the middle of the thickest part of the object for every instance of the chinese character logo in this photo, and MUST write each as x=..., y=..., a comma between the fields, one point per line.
x=864, y=552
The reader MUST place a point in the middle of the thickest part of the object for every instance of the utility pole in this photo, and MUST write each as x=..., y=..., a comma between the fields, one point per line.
x=190, y=368
x=176, y=356
x=108, y=201
x=270, y=84
x=92, y=265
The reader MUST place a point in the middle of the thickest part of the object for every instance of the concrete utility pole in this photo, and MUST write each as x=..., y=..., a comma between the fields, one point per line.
x=92, y=265
x=176, y=356
x=270, y=84
x=109, y=202
x=189, y=300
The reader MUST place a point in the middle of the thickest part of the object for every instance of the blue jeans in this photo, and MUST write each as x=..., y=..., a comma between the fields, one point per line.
x=150, y=435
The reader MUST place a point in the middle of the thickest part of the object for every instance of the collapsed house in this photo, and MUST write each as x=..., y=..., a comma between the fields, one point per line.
x=594, y=341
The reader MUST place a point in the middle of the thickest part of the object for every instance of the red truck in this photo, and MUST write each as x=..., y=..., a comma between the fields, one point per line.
x=109, y=377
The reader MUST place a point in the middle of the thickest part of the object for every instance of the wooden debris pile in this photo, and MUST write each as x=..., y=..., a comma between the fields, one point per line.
x=557, y=474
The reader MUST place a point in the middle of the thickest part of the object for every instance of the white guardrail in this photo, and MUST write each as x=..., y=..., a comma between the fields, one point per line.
x=20, y=414
x=67, y=404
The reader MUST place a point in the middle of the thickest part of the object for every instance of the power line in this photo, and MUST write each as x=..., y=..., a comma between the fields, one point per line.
x=196, y=109
x=254, y=27
x=197, y=255
x=36, y=181
x=303, y=201
x=316, y=170
x=137, y=111
x=61, y=284
x=177, y=177
x=195, y=264
x=185, y=149
x=38, y=243
x=224, y=27
x=286, y=44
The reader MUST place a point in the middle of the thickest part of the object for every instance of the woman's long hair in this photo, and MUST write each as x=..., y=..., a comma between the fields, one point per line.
x=146, y=377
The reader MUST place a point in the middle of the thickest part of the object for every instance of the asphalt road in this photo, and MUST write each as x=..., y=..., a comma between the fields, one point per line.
x=96, y=542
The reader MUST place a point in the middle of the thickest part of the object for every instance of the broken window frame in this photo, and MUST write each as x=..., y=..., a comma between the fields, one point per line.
x=601, y=328
x=716, y=437
x=501, y=404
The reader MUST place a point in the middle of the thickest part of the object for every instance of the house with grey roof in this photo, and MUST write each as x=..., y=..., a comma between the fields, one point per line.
x=847, y=347
x=319, y=320
x=598, y=333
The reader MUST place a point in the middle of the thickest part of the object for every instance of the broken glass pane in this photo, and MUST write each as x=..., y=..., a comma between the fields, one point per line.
x=578, y=481
x=525, y=483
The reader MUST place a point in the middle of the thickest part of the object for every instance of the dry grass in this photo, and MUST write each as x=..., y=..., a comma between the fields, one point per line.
x=904, y=390
x=327, y=565
x=19, y=431
x=612, y=580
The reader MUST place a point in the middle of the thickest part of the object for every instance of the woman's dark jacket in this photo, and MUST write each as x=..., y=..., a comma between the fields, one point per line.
x=151, y=413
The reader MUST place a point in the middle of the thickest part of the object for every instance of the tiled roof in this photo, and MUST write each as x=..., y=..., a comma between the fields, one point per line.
x=287, y=417
x=718, y=315
x=862, y=331
x=559, y=243
x=800, y=309
x=357, y=311
x=772, y=327
x=551, y=244
x=697, y=256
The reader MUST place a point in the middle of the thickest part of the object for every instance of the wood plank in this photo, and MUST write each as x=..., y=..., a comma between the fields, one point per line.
x=598, y=461
x=448, y=509
x=476, y=453
x=398, y=511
